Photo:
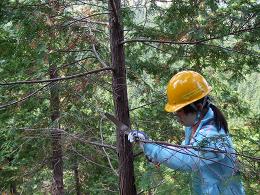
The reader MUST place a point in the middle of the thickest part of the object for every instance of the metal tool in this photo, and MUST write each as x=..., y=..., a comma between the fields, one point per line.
x=124, y=128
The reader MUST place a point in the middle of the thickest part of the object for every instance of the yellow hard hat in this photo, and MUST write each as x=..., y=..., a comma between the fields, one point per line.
x=185, y=88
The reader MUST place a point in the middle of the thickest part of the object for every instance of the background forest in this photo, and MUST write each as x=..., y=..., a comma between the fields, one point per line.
x=56, y=83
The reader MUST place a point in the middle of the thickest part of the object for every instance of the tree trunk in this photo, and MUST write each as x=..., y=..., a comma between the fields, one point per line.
x=76, y=177
x=57, y=163
x=13, y=190
x=124, y=148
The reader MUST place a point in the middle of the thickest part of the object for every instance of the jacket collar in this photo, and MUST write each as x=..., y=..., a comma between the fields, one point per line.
x=188, y=130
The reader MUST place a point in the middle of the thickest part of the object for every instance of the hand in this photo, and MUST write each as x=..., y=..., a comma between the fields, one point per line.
x=135, y=136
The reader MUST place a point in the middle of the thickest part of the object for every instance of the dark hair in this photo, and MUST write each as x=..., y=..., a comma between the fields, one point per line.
x=219, y=118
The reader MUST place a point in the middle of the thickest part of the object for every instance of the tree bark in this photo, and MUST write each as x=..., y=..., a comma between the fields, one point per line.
x=76, y=177
x=124, y=148
x=57, y=187
x=13, y=190
x=57, y=163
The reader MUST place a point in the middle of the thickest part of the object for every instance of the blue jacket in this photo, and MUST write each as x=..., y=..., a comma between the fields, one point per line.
x=213, y=173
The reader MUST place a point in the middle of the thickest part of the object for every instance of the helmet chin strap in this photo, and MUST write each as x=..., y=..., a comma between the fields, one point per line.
x=197, y=119
x=198, y=111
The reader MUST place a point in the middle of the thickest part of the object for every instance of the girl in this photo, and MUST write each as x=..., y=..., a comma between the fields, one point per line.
x=209, y=155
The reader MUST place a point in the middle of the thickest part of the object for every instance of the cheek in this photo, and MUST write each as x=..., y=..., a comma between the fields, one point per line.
x=182, y=119
x=190, y=119
x=187, y=120
x=179, y=119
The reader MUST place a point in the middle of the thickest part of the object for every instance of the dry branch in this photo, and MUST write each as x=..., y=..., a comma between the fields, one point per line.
x=56, y=79
x=24, y=98
x=190, y=42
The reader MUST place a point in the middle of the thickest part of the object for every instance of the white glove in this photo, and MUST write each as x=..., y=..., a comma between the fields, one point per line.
x=137, y=136
x=140, y=137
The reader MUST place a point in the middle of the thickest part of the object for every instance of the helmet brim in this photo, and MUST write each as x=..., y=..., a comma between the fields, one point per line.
x=173, y=108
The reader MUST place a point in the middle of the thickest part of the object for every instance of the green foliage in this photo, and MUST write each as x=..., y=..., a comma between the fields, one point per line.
x=35, y=34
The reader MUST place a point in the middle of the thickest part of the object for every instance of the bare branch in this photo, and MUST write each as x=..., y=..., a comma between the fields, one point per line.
x=74, y=62
x=83, y=19
x=57, y=79
x=98, y=57
x=24, y=98
x=91, y=142
x=189, y=42
x=150, y=103
x=108, y=158
x=153, y=187
x=87, y=159
x=103, y=145
x=204, y=149
x=67, y=51
x=160, y=41
x=244, y=52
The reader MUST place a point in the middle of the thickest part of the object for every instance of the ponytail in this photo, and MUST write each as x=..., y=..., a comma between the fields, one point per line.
x=219, y=118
